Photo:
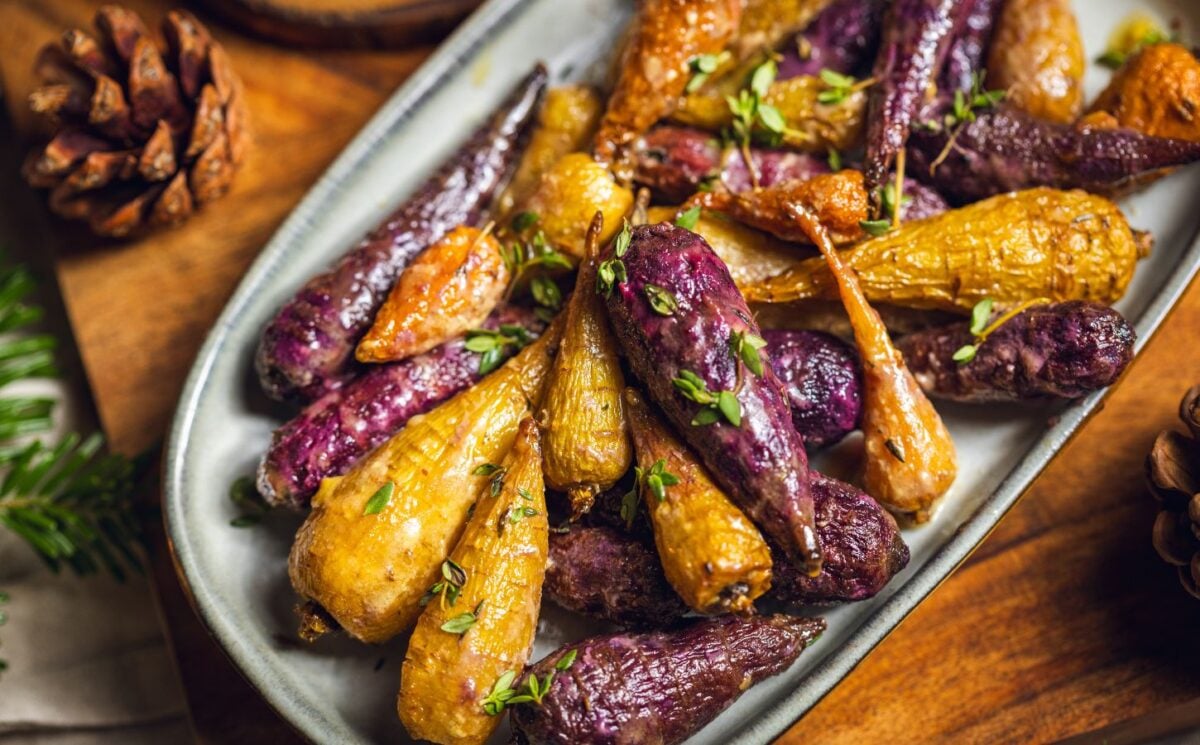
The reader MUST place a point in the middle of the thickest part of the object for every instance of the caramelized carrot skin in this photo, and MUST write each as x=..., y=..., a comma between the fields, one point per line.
x=502, y=553
x=916, y=36
x=911, y=461
x=1156, y=92
x=586, y=437
x=1060, y=245
x=654, y=70
x=1037, y=57
x=713, y=556
x=446, y=291
x=838, y=199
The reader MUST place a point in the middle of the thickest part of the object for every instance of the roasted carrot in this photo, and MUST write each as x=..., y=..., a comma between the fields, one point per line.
x=713, y=556
x=447, y=290
x=910, y=458
x=481, y=614
x=587, y=446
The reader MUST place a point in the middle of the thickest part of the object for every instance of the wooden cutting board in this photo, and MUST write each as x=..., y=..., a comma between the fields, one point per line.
x=1062, y=622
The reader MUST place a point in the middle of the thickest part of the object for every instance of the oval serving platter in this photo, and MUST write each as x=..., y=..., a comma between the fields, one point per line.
x=341, y=692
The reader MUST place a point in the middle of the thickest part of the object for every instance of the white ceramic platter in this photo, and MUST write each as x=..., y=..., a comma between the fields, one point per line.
x=341, y=692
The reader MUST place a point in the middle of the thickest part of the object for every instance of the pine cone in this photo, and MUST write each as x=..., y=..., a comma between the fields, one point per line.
x=1173, y=473
x=142, y=137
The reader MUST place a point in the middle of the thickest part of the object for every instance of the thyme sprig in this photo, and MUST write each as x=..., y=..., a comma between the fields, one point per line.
x=492, y=345
x=981, y=329
x=454, y=578
x=496, y=474
x=964, y=109
x=716, y=404
x=702, y=66
x=504, y=695
x=611, y=272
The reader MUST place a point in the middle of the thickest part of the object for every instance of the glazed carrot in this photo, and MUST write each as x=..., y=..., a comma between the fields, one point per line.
x=910, y=458
x=713, y=556
x=481, y=615
x=587, y=446
x=446, y=291
x=655, y=67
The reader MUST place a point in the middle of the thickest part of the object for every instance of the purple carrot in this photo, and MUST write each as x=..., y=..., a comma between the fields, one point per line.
x=611, y=574
x=823, y=380
x=332, y=433
x=968, y=49
x=674, y=162
x=307, y=348
x=840, y=39
x=916, y=34
x=757, y=456
x=659, y=687
x=1004, y=149
x=1060, y=350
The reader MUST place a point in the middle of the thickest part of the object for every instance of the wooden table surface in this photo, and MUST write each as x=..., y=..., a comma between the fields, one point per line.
x=1063, y=620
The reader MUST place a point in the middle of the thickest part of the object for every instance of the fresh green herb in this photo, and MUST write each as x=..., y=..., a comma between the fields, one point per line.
x=463, y=622
x=876, y=228
x=688, y=219
x=564, y=663
x=524, y=221
x=980, y=315
x=523, y=493
x=454, y=577
x=501, y=694
x=497, y=476
x=965, y=353
x=703, y=65
x=762, y=77
x=890, y=203
x=522, y=257
x=752, y=115
x=517, y=513
x=623, y=239
x=493, y=345
x=243, y=493
x=380, y=499
x=744, y=346
x=967, y=104
x=656, y=479
x=546, y=293
x=720, y=403
x=835, y=160
x=661, y=300
x=838, y=87
x=979, y=321
x=629, y=506
x=610, y=273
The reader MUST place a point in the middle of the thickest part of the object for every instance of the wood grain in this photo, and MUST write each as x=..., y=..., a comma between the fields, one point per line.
x=342, y=23
x=1063, y=621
